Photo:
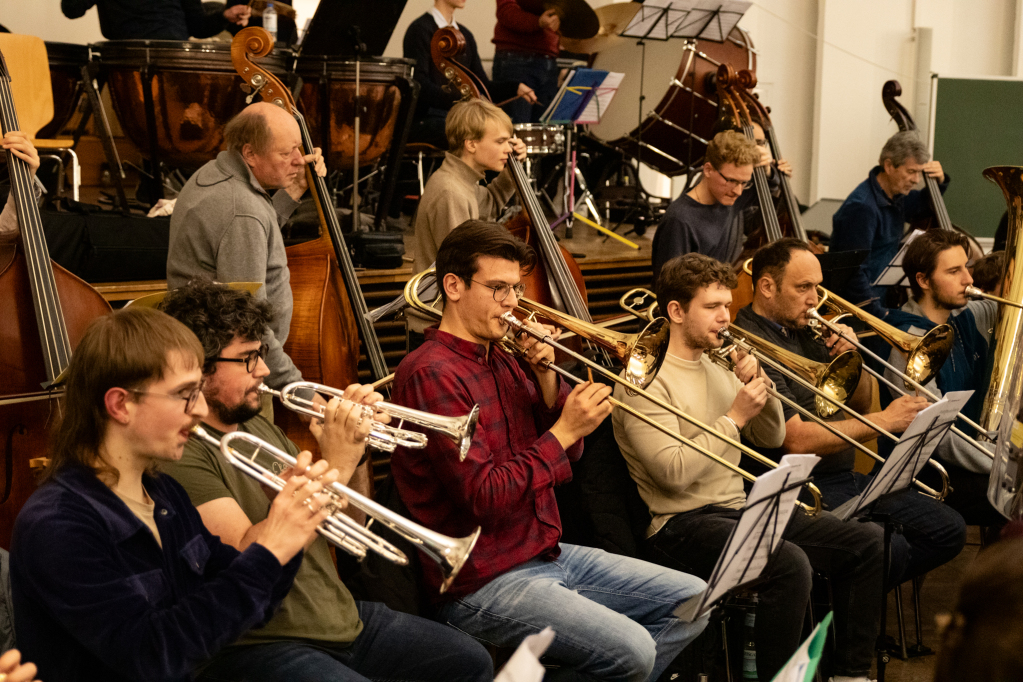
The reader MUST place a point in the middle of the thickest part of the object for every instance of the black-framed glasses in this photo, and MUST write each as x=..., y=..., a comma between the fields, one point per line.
x=743, y=184
x=190, y=398
x=251, y=358
x=501, y=291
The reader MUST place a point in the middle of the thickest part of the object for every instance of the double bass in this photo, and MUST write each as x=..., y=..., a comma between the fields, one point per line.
x=556, y=281
x=45, y=311
x=940, y=219
x=329, y=310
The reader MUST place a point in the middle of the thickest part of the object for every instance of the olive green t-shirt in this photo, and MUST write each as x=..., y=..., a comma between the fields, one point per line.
x=318, y=607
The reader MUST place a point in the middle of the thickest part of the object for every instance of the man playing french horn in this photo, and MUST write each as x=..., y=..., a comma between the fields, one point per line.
x=786, y=275
x=695, y=502
x=319, y=632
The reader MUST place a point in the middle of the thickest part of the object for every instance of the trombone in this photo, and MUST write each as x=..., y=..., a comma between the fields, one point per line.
x=339, y=528
x=626, y=348
x=974, y=292
x=831, y=384
x=383, y=436
x=923, y=353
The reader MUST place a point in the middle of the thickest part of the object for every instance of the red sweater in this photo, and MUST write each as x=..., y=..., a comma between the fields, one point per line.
x=518, y=28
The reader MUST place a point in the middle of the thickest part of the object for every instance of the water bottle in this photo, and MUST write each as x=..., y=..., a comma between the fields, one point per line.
x=270, y=20
x=749, y=650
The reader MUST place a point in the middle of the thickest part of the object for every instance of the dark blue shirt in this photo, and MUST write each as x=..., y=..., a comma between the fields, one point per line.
x=96, y=598
x=150, y=19
x=870, y=221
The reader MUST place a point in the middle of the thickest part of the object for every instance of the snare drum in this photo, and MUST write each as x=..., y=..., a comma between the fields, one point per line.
x=541, y=138
x=194, y=89
x=327, y=101
x=673, y=134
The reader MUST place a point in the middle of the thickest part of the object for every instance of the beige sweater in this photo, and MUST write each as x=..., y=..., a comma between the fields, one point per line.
x=673, y=478
x=452, y=196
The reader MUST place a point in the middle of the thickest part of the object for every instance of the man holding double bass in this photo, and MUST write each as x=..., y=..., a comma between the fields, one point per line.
x=226, y=224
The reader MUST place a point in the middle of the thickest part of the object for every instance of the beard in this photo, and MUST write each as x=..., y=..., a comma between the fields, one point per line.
x=231, y=414
x=699, y=338
x=946, y=302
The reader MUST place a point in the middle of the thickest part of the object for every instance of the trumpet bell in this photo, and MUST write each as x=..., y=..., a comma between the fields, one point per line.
x=454, y=557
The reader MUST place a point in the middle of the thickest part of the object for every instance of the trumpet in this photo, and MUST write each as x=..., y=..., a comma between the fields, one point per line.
x=383, y=436
x=624, y=347
x=339, y=528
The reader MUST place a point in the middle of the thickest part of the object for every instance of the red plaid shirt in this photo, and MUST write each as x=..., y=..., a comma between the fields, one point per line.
x=506, y=483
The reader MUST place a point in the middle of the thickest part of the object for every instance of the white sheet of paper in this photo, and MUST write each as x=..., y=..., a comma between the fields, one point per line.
x=745, y=554
x=651, y=20
x=932, y=424
x=707, y=19
x=600, y=101
x=524, y=665
x=803, y=663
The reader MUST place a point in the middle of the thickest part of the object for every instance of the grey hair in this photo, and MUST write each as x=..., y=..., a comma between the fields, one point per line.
x=250, y=126
x=903, y=146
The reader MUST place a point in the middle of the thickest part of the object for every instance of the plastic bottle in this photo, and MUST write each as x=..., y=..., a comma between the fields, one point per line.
x=749, y=649
x=270, y=20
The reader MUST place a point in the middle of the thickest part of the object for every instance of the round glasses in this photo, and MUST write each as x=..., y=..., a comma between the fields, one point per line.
x=190, y=398
x=501, y=291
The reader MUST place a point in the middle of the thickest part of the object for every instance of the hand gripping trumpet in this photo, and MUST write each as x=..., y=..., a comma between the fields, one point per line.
x=265, y=462
x=520, y=327
x=383, y=436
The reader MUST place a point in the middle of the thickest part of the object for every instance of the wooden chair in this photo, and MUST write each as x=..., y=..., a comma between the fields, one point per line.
x=29, y=68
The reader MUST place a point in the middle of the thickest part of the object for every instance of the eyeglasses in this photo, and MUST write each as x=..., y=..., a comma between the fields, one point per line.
x=191, y=398
x=501, y=291
x=734, y=183
x=251, y=358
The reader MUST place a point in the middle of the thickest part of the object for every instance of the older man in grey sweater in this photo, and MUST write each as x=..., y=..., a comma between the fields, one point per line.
x=226, y=224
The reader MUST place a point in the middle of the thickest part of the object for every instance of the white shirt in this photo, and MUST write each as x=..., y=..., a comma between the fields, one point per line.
x=439, y=18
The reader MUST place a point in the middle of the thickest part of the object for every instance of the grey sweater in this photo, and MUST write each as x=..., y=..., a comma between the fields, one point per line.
x=226, y=227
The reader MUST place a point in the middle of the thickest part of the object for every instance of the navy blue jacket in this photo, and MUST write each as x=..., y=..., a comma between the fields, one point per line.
x=150, y=19
x=95, y=598
x=869, y=220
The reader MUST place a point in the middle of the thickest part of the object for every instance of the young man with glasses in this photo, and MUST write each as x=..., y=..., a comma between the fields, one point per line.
x=113, y=575
x=319, y=632
x=710, y=218
x=613, y=615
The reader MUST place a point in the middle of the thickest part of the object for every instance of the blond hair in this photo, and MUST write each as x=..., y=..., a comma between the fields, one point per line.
x=468, y=121
x=732, y=147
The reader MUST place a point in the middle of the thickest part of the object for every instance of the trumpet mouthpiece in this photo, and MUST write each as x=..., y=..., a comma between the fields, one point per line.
x=724, y=334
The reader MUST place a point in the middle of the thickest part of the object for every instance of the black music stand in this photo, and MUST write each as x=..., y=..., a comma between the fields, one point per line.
x=753, y=540
x=690, y=20
x=375, y=22
x=911, y=453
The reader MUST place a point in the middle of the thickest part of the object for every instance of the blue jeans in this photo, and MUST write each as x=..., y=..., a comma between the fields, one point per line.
x=849, y=553
x=612, y=615
x=932, y=532
x=538, y=71
x=392, y=646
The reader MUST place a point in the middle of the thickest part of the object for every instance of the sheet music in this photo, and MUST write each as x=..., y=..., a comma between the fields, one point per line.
x=803, y=664
x=704, y=19
x=915, y=447
x=524, y=665
x=601, y=100
x=651, y=19
x=756, y=535
x=893, y=273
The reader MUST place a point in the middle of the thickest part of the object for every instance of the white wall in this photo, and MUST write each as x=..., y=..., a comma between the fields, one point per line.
x=43, y=18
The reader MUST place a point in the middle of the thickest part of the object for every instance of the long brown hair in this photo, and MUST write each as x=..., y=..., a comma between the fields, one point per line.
x=129, y=349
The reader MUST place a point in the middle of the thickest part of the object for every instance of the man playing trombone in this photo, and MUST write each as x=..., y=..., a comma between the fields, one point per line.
x=613, y=615
x=785, y=279
x=696, y=502
x=320, y=631
x=935, y=266
x=113, y=575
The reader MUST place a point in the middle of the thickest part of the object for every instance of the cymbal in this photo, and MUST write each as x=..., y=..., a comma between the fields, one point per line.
x=578, y=20
x=613, y=20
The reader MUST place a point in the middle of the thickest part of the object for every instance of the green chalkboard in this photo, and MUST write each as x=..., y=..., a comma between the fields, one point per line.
x=977, y=125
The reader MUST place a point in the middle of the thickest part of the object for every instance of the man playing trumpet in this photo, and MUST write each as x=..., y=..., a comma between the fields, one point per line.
x=613, y=615
x=320, y=632
x=696, y=502
x=786, y=275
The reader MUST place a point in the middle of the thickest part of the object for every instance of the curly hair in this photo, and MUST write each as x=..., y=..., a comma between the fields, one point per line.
x=217, y=314
x=730, y=146
x=683, y=276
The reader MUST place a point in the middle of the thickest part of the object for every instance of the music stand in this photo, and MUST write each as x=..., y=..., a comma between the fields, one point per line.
x=690, y=20
x=838, y=266
x=893, y=274
x=333, y=21
x=911, y=453
x=756, y=536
